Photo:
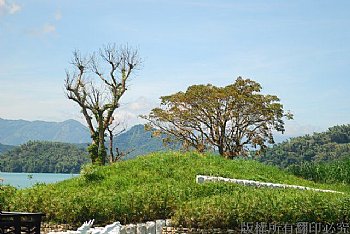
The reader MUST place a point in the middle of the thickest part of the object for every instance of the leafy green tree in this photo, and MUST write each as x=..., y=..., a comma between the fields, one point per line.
x=97, y=88
x=229, y=119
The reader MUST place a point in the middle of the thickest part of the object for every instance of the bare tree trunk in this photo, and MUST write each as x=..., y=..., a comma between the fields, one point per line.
x=111, y=154
x=101, y=142
x=98, y=104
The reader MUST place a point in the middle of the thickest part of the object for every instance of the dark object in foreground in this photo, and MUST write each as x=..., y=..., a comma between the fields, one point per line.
x=18, y=222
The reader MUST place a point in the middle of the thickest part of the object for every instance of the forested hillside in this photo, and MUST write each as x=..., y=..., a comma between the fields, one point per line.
x=4, y=148
x=54, y=157
x=50, y=157
x=137, y=141
x=319, y=147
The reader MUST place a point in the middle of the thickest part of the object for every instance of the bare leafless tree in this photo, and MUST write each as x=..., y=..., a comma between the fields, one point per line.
x=115, y=128
x=122, y=154
x=96, y=84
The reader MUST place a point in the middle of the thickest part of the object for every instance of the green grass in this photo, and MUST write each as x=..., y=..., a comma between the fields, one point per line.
x=162, y=185
x=324, y=172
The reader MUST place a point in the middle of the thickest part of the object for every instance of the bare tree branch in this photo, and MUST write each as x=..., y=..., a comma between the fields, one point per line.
x=99, y=103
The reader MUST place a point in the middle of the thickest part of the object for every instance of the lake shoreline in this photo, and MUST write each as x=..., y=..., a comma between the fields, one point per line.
x=25, y=180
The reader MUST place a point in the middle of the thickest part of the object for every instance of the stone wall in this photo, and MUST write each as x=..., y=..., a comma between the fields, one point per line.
x=202, y=179
x=151, y=227
x=50, y=227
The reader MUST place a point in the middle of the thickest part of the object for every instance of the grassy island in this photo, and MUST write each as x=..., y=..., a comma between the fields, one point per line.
x=162, y=185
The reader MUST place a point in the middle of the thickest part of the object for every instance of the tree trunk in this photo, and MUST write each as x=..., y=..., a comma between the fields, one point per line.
x=101, y=141
x=221, y=150
x=111, y=155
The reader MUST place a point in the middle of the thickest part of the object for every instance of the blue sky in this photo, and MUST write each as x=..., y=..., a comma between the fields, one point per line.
x=297, y=50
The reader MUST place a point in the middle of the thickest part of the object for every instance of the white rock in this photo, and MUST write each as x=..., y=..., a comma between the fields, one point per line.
x=160, y=223
x=85, y=227
x=151, y=227
x=168, y=222
x=123, y=230
x=109, y=228
x=202, y=179
x=141, y=228
x=130, y=229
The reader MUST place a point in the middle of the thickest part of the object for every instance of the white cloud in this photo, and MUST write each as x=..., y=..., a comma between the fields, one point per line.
x=45, y=29
x=49, y=28
x=9, y=7
x=14, y=8
x=140, y=104
x=130, y=111
x=294, y=129
x=58, y=15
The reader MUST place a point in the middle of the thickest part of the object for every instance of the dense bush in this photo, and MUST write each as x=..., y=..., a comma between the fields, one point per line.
x=163, y=186
x=6, y=193
x=333, y=172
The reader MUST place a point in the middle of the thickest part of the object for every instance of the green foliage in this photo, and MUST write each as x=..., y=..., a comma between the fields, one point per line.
x=162, y=185
x=101, y=156
x=246, y=204
x=229, y=120
x=46, y=157
x=6, y=193
x=327, y=146
x=90, y=173
x=331, y=172
x=93, y=152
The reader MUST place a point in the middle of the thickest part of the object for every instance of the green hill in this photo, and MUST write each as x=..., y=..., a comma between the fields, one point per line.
x=4, y=148
x=138, y=141
x=162, y=185
x=50, y=157
x=328, y=146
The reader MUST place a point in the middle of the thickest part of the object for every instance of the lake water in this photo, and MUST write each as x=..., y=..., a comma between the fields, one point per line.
x=24, y=180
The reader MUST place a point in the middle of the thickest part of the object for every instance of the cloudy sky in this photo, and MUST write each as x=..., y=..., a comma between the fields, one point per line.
x=297, y=50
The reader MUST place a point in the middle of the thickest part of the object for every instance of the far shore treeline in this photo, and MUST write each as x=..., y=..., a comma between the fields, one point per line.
x=36, y=156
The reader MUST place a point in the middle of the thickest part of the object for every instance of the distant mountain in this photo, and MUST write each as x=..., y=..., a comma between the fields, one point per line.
x=138, y=142
x=5, y=148
x=58, y=157
x=48, y=157
x=16, y=132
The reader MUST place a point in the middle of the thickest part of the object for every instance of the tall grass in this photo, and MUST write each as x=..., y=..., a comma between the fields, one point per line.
x=334, y=172
x=163, y=185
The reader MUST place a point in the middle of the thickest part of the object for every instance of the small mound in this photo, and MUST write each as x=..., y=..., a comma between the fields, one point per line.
x=163, y=185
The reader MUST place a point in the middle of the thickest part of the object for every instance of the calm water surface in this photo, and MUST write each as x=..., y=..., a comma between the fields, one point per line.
x=24, y=180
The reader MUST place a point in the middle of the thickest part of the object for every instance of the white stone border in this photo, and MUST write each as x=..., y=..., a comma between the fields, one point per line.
x=202, y=179
x=151, y=227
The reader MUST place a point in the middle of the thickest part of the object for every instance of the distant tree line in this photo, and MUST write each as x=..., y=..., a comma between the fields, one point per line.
x=44, y=157
x=327, y=146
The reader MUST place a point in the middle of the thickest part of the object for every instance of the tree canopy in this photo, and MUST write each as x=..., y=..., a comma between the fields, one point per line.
x=229, y=119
